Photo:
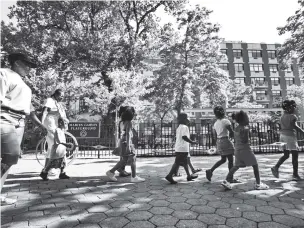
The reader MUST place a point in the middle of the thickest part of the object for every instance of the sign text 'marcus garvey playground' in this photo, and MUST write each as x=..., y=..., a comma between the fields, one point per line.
x=85, y=129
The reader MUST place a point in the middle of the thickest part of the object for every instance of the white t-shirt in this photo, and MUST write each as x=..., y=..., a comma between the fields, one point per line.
x=14, y=93
x=180, y=144
x=220, y=126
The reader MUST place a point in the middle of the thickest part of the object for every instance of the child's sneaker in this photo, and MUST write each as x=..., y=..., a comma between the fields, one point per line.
x=261, y=186
x=191, y=177
x=111, y=176
x=226, y=185
x=63, y=176
x=296, y=177
x=208, y=174
x=275, y=172
x=44, y=175
x=170, y=179
x=7, y=201
x=236, y=181
x=137, y=179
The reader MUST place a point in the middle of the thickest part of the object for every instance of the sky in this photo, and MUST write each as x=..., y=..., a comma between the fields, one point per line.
x=252, y=21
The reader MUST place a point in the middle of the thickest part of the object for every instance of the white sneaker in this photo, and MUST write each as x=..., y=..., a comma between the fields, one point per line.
x=7, y=201
x=261, y=186
x=137, y=179
x=53, y=172
x=226, y=185
x=111, y=176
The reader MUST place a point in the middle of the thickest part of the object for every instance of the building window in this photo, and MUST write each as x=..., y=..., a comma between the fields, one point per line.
x=289, y=81
x=256, y=67
x=237, y=53
x=273, y=67
x=224, y=51
x=288, y=69
x=276, y=93
x=239, y=80
x=272, y=54
x=255, y=53
x=258, y=81
x=83, y=107
x=275, y=81
x=239, y=67
x=223, y=66
x=261, y=95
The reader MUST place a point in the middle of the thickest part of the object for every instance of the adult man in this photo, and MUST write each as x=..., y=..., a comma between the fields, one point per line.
x=15, y=101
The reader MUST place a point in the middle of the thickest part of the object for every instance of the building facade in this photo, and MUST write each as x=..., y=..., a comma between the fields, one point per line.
x=257, y=64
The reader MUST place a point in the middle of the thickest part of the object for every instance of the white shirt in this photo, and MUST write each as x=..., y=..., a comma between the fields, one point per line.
x=220, y=126
x=14, y=93
x=180, y=144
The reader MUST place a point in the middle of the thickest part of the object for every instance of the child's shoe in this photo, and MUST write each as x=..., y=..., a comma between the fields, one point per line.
x=275, y=172
x=235, y=181
x=44, y=175
x=137, y=179
x=208, y=174
x=296, y=177
x=261, y=186
x=170, y=179
x=191, y=177
x=7, y=201
x=63, y=176
x=226, y=185
x=111, y=176
x=196, y=170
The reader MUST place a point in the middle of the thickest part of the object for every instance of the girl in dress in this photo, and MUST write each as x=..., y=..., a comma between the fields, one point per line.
x=57, y=157
x=243, y=154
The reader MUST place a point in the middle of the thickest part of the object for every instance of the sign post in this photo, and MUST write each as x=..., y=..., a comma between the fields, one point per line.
x=85, y=129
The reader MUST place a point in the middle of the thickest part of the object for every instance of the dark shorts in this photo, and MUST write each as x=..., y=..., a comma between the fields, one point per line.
x=11, y=138
x=181, y=158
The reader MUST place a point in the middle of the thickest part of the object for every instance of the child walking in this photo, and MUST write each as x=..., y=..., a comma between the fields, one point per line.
x=58, y=153
x=182, y=148
x=288, y=135
x=127, y=150
x=224, y=146
x=243, y=154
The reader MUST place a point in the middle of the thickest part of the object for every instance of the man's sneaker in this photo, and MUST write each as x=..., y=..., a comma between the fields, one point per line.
x=7, y=201
x=261, y=186
x=137, y=179
x=236, y=181
x=296, y=177
x=44, y=175
x=191, y=177
x=124, y=174
x=111, y=176
x=63, y=176
x=226, y=185
x=196, y=170
x=171, y=180
x=208, y=174
x=275, y=172
x=53, y=172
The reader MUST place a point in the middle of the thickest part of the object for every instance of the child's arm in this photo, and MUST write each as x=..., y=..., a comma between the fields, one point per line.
x=214, y=137
x=244, y=134
x=185, y=137
x=231, y=132
x=57, y=140
x=297, y=127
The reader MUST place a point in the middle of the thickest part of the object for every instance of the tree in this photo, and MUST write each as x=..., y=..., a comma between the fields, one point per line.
x=190, y=59
x=296, y=93
x=238, y=94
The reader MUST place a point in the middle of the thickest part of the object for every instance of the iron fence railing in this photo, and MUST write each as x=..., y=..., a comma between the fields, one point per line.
x=157, y=139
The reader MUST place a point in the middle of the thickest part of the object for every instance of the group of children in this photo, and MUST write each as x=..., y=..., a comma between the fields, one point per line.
x=244, y=156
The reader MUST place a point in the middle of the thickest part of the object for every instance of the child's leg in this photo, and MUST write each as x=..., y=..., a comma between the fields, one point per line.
x=282, y=159
x=190, y=164
x=133, y=168
x=295, y=158
x=219, y=163
x=230, y=161
x=122, y=162
x=173, y=169
x=256, y=173
x=231, y=172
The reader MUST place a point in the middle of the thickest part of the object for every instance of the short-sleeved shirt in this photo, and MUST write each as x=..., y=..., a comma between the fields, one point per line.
x=55, y=106
x=220, y=126
x=287, y=121
x=181, y=145
x=14, y=93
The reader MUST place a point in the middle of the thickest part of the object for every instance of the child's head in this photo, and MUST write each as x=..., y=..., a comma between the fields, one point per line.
x=128, y=114
x=241, y=118
x=183, y=118
x=219, y=112
x=289, y=106
x=60, y=123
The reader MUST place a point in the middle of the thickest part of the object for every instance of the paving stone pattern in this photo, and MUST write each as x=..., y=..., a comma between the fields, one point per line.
x=89, y=200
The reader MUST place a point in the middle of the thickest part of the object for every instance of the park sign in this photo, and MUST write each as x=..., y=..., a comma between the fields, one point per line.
x=85, y=129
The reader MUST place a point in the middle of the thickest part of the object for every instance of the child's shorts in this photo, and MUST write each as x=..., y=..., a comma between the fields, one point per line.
x=291, y=142
x=224, y=146
x=181, y=158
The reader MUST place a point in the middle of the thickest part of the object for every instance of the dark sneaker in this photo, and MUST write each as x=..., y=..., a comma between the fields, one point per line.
x=177, y=175
x=191, y=177
x=296, y=177
x=275, y=172
x=196, y=170
x=170, y=179
x=208, y=174
x=124, y=174
x=63, y=176
x=235, y=181
x=44, y=175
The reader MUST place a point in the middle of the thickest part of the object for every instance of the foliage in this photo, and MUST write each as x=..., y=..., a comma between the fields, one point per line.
x=296, y=93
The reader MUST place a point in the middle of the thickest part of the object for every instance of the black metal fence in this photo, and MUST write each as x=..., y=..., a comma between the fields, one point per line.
x=157, y=139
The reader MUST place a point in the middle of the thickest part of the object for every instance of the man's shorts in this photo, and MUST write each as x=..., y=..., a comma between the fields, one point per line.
x=181, y=158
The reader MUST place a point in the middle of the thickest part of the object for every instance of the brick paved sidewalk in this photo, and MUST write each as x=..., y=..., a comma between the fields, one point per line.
x=89, y=200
